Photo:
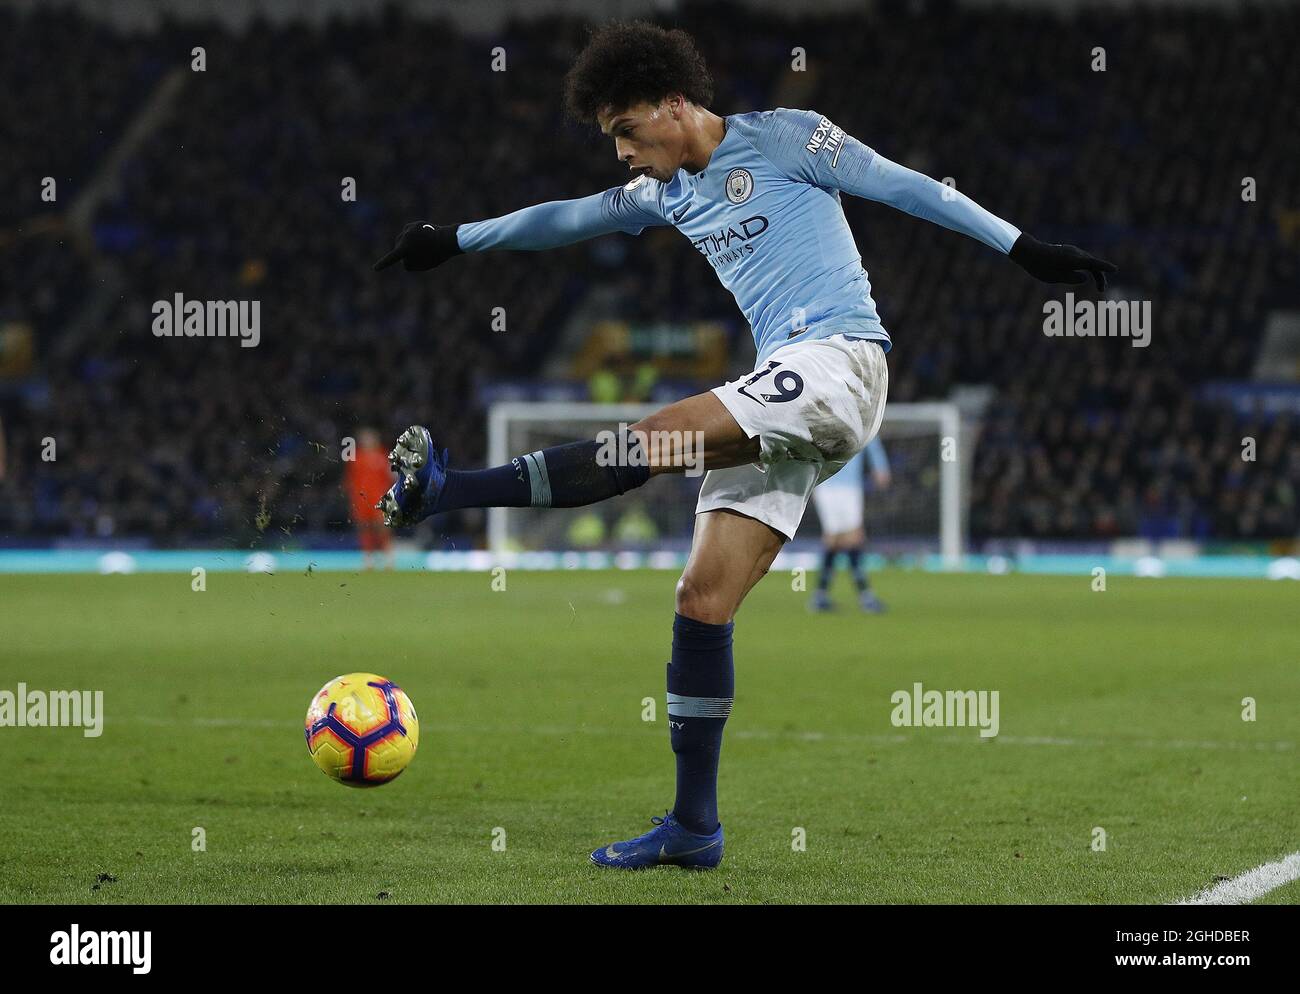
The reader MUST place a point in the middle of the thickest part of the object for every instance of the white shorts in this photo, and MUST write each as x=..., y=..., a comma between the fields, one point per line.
x=839, y=507
x=813, y=406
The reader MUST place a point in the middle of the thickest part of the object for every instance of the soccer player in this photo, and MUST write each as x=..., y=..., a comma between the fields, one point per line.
x=839, y=508
x=365, y=478
x=758, y=196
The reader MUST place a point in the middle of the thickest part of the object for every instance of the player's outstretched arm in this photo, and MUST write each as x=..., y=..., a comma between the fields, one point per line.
x=630, y=209
x=818, y=152
x=921, y=196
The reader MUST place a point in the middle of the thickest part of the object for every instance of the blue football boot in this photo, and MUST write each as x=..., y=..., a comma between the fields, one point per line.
x=870, y=603
x=821, y=602
x=667, y=844
x=421, y=473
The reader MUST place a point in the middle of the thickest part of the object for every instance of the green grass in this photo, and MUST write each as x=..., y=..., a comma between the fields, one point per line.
x=1119, y=710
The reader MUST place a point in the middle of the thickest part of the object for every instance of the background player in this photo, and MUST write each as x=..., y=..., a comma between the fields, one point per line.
x=366, y=477
x=839, y=503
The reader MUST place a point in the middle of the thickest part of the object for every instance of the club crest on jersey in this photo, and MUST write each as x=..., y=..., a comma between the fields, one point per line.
x=739, y=185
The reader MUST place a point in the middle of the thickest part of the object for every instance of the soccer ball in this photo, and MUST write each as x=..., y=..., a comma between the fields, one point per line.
x=362, y=730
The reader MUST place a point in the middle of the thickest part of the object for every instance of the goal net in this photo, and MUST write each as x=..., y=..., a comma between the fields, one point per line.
x=921, y=512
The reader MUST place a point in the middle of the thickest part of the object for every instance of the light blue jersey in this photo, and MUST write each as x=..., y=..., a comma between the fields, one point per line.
x=765, y=212
x=851, y=474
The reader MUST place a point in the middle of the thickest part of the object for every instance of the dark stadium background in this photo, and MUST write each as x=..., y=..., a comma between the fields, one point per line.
x=233, y=192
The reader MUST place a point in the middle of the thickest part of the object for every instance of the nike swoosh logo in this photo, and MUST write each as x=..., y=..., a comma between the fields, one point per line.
x=611, y=854
x=663, y=850
x=678, y=215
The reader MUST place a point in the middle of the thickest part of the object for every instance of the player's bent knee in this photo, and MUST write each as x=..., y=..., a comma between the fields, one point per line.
x=703, y=602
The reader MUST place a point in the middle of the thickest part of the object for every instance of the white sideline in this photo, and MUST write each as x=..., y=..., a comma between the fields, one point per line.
x=1251, y=885
x=1281, y=745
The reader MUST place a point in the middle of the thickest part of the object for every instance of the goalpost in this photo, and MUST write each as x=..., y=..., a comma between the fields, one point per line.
x=922, y=512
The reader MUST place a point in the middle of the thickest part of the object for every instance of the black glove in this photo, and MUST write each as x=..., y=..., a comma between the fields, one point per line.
x=422, y=246
x=1059, y=263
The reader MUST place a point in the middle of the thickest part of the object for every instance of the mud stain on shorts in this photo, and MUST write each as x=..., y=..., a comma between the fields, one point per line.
x=830, y=434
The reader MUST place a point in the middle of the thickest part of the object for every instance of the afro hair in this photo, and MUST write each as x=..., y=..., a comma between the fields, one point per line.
x=628, y=62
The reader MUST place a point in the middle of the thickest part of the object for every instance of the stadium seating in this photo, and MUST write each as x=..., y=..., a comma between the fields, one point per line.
x=237, y=195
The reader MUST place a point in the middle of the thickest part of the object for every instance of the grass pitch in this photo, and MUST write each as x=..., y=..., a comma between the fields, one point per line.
x=1119, y=711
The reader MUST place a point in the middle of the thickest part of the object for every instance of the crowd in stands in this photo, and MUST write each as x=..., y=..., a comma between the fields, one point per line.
x=239, y=194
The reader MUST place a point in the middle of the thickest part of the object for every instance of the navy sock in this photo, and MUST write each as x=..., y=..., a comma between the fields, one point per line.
x=570, y=475
x=828, y=569
x=859, y=574
x=701, y=682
